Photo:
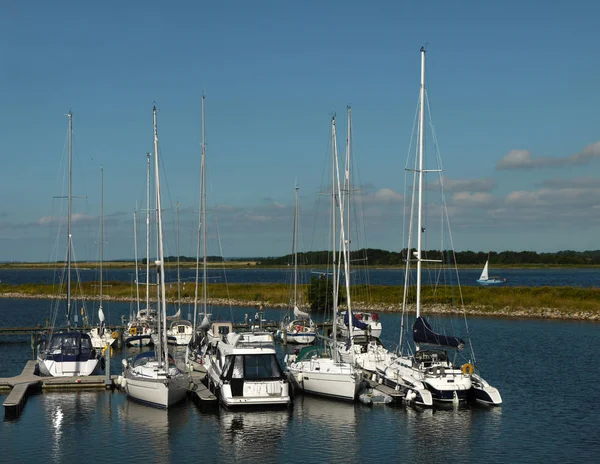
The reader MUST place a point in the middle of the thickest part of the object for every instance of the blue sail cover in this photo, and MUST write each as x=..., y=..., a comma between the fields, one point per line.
x=355, y=322
x=423, y=333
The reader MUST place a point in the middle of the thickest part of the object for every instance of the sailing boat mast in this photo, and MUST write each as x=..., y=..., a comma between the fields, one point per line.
x=147, y=235
x=201, y=231
x=101, y=231
x=162, y=353
x=178, y=275
x=135, y=251
x=70, y=200
x=333, y=228
x=295, y=251
x=420, y=170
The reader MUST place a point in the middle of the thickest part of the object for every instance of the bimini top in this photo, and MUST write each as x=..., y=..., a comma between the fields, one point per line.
x=423, y=333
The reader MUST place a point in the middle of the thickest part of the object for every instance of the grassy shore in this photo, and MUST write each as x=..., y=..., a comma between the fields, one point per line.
x=534, y=302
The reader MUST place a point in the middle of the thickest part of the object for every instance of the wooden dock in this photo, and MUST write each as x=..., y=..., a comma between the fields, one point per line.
x=22, y=384
x=200, y=393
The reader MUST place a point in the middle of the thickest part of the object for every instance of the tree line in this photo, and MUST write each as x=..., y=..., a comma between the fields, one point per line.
x=378, y=257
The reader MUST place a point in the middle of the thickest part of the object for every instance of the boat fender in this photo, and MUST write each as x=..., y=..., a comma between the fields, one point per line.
x=410, y=395
x=467, y=369
x=299, y=377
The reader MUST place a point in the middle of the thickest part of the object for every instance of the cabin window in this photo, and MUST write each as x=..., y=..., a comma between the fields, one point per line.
x=86, y=346
x=261, y=367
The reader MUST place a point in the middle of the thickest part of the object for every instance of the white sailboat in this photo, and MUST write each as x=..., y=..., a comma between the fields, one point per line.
x=366, y=350
x=319, y=369
x=434, y=371
x=101, y=338
x=153, y=377
x=485, y=279
x=70, y=352
x=142, y=325
x=301, y=330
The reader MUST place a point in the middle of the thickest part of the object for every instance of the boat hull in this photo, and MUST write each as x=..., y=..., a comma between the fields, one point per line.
x=160, y=392
x=138, y=340
x=338, y=382
x=51, y=368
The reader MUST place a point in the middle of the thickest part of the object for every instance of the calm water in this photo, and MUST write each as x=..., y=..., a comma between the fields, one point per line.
x=514, y=277
x=542, y=369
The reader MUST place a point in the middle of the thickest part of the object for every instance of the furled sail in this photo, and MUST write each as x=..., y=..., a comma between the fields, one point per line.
x=423, y=333
x=298, y=314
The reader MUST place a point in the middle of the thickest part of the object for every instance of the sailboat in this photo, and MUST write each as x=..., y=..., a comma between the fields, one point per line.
x=70, y=352
x=101, y=338
x=366, y=351
x=153, y=377
x=180, y=331
x=485, y=279
x=319, y=369
x=301, y=330
x=143, y=324
x=433, y=371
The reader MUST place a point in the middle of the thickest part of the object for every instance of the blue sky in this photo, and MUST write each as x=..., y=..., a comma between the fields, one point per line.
x=513, y=86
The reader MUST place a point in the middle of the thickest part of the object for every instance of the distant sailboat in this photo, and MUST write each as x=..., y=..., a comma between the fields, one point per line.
x=484, y=279
x=301, y=329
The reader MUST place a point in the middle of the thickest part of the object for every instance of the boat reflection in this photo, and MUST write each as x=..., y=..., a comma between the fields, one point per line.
x=65, y=410
x=249, y=436
x=450, y=431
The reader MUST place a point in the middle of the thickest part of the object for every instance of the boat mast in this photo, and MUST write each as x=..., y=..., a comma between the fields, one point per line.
x=333, y=228
x=204, y=262
x=201, y=231
x=70, y=201
x=346, y=242
x=295, y=245
x=101, y=229
x=135, y=251
x=147, y=236
x=161, y=254
x=420, y=170
x=178, y=278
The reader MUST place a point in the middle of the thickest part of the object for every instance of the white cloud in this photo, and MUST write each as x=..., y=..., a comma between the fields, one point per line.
x=473, y=198
x=383, y=195
x=469, y=185
x=523, y=159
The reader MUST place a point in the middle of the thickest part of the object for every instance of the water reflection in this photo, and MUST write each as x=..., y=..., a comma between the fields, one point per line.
x=333, y=426
x=151, y=428
x=249, y=435
x=67, y=414
x=435, y=434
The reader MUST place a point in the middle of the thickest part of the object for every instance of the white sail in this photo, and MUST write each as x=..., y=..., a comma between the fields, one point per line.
x=484, y=273
x=298, y=314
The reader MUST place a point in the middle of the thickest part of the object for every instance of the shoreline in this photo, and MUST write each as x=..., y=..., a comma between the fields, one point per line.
x=469, y=310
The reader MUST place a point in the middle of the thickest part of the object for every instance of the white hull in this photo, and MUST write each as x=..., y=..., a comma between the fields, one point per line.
x=324, y=376
x=139, y=341
x=174, y=339
x=156, y=388
x=68, y=368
